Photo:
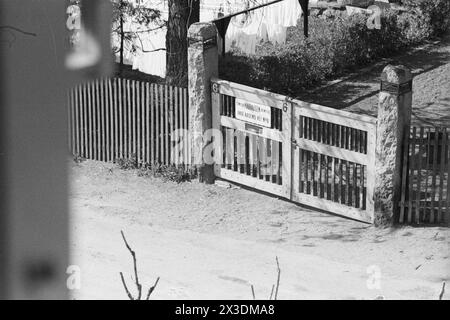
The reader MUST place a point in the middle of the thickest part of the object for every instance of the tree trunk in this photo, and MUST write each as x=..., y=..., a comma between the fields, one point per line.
x=122, y=39
x=182, y=13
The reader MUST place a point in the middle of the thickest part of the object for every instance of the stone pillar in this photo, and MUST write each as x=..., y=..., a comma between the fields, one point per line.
x=394, y=118
x=203, y=64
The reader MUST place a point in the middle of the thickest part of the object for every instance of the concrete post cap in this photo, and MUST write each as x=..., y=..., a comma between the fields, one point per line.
x=396, y=74
x=202, y=30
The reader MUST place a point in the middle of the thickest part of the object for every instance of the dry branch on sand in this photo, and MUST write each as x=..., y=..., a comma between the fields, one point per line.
x=275, y=287
x=136, y=277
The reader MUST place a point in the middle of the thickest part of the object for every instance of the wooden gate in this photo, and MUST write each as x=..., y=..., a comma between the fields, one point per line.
x=313, y=155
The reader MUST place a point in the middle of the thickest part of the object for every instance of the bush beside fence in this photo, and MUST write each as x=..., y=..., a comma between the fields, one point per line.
x=334, y=47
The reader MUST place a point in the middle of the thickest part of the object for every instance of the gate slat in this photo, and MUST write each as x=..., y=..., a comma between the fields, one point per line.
x=433, y=183
x=442, y=174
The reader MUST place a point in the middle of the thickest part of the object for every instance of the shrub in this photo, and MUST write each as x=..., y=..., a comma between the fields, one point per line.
x=335, y=45
x=433, y=14
x=167, y=173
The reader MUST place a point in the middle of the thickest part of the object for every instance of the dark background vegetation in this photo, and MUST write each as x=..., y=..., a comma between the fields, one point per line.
x=336, y=45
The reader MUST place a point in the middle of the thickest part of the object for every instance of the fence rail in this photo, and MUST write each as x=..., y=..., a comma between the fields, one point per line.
x=112, y=119
x=425, y=176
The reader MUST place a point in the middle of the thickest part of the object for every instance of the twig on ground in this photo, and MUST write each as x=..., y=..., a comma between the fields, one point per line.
x=275, y=287
x=278, y=279
x=136, y=276
x=150, y=291
x=441, y=295
x=271, y=292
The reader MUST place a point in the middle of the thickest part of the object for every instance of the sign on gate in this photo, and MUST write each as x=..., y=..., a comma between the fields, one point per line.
x=307, y=153
x=253, y=112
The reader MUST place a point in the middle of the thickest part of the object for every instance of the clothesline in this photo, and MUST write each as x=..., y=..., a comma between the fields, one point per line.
x=223, y=23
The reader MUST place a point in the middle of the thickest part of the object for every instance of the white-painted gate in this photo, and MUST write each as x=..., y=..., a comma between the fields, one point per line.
x=314, y=155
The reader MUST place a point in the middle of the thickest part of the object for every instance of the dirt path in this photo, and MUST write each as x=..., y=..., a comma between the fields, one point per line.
x=211, y=242
x=430, y=66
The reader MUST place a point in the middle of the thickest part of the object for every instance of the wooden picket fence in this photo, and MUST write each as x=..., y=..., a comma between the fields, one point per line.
x=425, y=178
x=112, y=119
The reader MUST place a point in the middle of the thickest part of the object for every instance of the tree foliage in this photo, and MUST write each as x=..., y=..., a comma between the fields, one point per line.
x=143, y=19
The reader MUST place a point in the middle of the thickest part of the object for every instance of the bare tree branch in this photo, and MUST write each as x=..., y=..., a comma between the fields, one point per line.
x=133, y=254
x=150, y=291
x=125, y=286
x=278, y=279
x=271, y=292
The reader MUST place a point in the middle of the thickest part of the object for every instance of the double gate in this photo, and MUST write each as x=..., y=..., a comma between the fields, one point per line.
x=310, y=154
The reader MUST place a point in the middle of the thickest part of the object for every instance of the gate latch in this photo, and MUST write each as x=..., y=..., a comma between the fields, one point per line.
x=294, y=142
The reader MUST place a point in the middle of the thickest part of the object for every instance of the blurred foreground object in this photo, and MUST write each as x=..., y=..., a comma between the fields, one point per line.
x=35, y=52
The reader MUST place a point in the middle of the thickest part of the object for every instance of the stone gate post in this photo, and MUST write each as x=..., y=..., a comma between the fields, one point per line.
x=203, y=64
x=394, y=118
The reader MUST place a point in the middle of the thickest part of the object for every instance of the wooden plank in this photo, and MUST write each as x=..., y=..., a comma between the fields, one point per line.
x=166, y=125
x=371, y=154
x=422, y=149
x=333, y=207
x=313, y=173
x=333, y=179
x=427, y=176
x=95, y=110
x=294, y=125
x=355, y=184
x=127, y=104
x=341, y=181
x=84, y=144
x=239, y=150
x=275, y=162
x=142, y=135
x=230, y=149
x=134, y=85
x=98, y=137
x=176, y=122
x=218, y=152
x=333, y=151
x=239, y=125
x=250, y=94
x=186, y=111
x=148, y=123
x=102, y=118
x=406, y=143
x=69, y=119
x=109, y=119
x=116, y=116
x=340, y=117
x=77, y=122
x=137, y=117
x=121, y=122
x=152, y=110
x=290, y=126
x=442, y=175
x=251, y=182
x=433, y=182
x=158, y=121
x=447, y=217
x=72, y=119
x=348, y=185
x=307, y=172
x=362, y=202
x=253, y=145
x=320, y=166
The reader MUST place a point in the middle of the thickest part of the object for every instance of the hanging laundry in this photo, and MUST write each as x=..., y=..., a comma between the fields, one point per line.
x=269, y=23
